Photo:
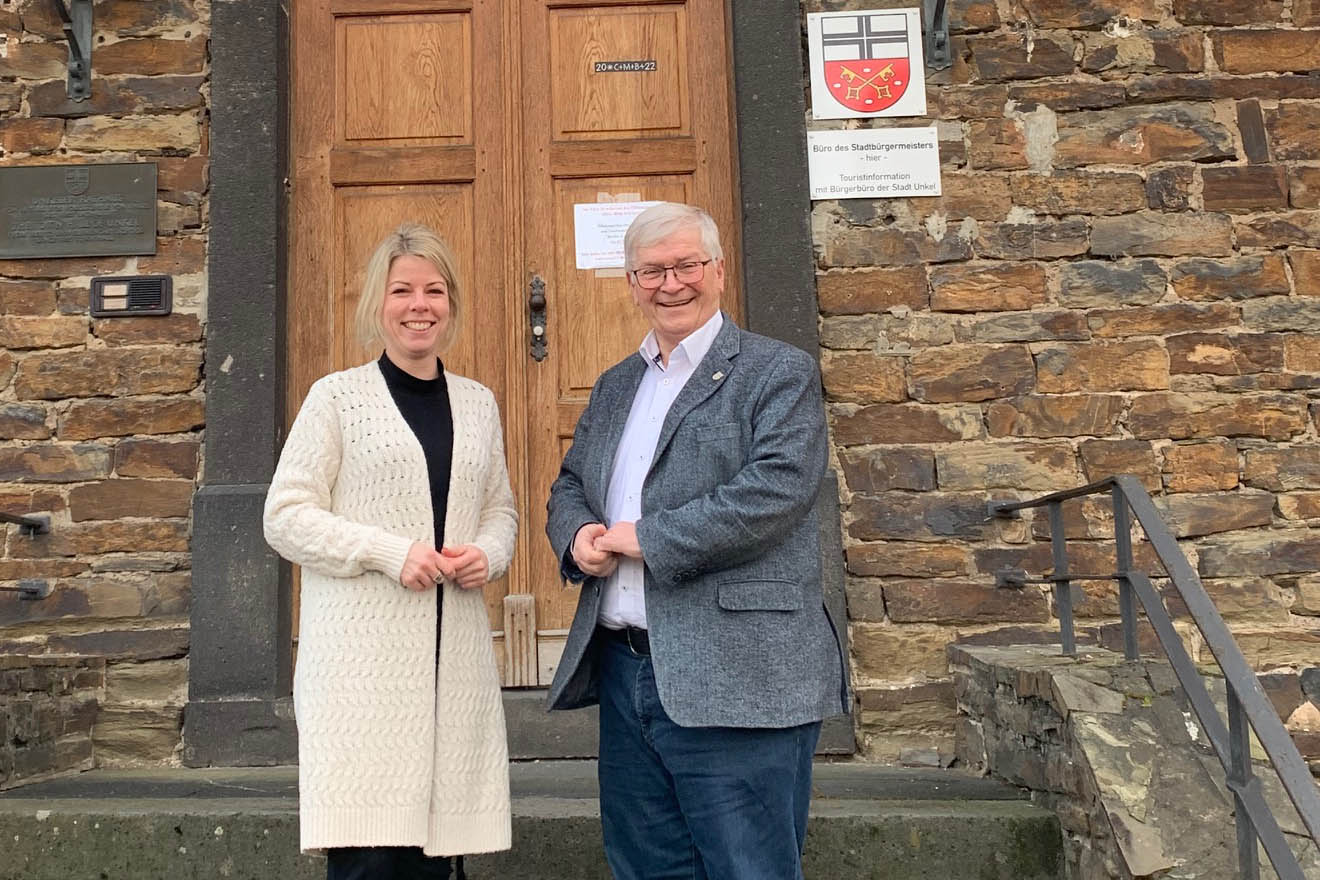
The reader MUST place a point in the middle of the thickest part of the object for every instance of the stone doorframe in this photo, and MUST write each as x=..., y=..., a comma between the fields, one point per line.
x=239, y=711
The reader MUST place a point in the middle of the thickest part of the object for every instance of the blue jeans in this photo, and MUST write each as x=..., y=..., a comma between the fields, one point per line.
x=692, y=803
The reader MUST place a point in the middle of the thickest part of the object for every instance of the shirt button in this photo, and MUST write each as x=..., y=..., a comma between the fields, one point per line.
x=666, y=381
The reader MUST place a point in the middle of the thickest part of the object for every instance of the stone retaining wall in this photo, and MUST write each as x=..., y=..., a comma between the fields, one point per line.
x=1105, y=744
x=48, y=706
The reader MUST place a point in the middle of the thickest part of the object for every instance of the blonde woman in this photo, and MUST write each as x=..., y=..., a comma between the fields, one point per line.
x=393, y=495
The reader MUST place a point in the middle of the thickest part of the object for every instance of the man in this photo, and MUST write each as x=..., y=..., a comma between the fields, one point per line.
x=687, y=505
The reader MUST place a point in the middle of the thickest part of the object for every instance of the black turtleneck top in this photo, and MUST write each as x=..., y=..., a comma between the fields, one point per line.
x=424, y=404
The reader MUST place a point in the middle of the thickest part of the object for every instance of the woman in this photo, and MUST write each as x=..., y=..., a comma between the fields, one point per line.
x=401, y=740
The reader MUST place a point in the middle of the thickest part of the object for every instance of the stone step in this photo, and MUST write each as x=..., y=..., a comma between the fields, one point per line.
x=242, y=824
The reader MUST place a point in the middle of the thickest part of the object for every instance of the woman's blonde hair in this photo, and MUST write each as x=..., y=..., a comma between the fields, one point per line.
x=409, y=240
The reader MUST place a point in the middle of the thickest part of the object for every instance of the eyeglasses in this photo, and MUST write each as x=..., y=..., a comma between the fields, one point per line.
x=686, y=272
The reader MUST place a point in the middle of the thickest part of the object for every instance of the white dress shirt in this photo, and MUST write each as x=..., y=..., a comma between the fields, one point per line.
x=623, y=602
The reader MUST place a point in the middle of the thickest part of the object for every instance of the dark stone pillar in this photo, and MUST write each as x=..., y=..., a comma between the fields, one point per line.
x=778, y=262
x=239, y=709
x=836, y=735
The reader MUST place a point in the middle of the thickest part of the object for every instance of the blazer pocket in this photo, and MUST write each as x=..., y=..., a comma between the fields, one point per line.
x=722, y=431
x=760, y=595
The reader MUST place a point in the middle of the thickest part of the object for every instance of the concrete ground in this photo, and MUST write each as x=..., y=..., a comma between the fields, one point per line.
x=867, y=822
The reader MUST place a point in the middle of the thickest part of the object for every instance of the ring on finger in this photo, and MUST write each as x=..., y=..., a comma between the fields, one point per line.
x=439, y=576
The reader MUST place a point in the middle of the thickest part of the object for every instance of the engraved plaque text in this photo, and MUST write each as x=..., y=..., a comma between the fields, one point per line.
x=77, y=210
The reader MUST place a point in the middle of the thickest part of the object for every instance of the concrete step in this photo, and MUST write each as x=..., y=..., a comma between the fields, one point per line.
x=242, y=824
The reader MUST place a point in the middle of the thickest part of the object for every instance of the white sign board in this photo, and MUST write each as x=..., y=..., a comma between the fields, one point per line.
x=874, y=163
x=866, y=63
x=598, y=229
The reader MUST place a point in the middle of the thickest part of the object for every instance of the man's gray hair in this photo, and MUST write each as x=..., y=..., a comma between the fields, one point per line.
x=660, y=221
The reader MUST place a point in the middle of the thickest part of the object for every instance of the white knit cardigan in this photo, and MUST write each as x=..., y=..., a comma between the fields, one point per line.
x=390, y=752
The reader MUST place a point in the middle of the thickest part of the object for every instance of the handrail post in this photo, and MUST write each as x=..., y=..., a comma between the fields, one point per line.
x=1239, y=777
x=1127, y=603
x=1062, y=586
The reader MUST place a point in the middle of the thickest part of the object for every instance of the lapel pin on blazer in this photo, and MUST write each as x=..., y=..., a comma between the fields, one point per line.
x=718, y=376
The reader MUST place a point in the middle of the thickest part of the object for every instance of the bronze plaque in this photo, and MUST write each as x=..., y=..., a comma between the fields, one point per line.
x=77, y=210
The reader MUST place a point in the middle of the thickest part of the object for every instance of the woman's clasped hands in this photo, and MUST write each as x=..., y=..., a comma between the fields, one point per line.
x=464, y=564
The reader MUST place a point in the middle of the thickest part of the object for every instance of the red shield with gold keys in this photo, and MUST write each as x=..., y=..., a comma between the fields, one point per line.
x=866, y=61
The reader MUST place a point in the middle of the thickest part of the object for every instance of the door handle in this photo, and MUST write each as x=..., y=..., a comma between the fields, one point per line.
x=536, y=316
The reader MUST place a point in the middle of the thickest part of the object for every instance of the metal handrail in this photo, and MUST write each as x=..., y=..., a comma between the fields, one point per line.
x=1248, y=707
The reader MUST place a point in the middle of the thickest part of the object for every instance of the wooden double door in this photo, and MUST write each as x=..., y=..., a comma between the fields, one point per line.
x=488, y=120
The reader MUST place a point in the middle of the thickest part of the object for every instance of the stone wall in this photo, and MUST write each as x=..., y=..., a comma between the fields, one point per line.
x=48, y=706
x=100, y=420
x=1106, y=745
x=1120, y=276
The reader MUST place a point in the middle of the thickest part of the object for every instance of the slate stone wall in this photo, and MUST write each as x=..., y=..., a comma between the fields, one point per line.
x=1122, y=275
x=100, y=419
x=1114, y=749
x=48, y=706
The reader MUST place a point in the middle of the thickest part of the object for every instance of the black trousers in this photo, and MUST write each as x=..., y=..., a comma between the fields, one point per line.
x=387, y=863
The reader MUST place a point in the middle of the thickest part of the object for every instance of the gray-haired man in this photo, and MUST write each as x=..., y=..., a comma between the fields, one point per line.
x=687, y=505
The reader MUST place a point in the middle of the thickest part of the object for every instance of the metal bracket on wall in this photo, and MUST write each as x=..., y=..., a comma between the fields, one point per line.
x=30, y=589
x=29, y=525
x=939, y=53
x=77, y=21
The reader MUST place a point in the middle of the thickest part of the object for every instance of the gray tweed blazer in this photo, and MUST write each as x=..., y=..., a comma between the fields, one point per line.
x=739, y=632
